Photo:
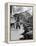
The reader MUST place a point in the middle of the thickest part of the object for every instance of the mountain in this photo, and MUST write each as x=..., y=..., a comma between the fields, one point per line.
x=27, y=20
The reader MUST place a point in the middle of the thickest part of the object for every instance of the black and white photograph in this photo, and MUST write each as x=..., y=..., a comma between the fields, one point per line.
x=21, y=22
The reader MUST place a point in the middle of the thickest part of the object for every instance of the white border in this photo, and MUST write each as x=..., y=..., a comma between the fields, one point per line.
x=34, y=22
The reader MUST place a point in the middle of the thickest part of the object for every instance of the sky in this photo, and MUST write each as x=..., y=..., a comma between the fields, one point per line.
x=20, y=9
